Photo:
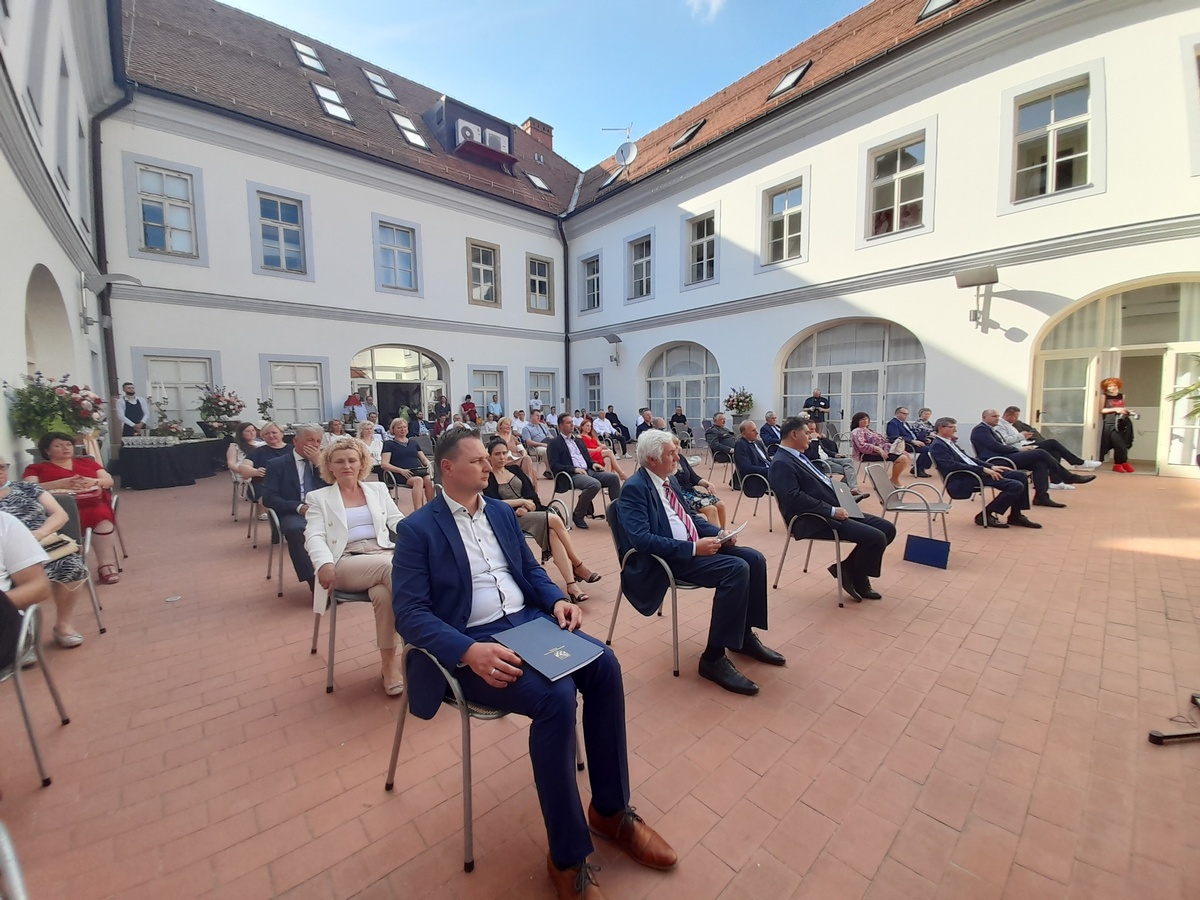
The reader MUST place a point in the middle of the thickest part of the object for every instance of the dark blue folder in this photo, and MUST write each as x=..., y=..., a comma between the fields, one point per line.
x=553, y=651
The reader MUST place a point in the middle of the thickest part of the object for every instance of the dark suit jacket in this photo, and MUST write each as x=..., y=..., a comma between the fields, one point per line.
x=642, y=524
x=830, y=448
x=281, y=486
x=898, y=429
x=987, y=444
x=559, y=455
x=1025, y=426
x=720, y=439
x=431, y=589
x=749, y=462
x=948, y=461
x=798, y=491
x=769, y=435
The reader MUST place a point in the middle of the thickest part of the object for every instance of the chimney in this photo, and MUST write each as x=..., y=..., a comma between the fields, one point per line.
x=540, y=132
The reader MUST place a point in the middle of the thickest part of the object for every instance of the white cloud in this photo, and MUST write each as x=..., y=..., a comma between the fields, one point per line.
x=705, y=10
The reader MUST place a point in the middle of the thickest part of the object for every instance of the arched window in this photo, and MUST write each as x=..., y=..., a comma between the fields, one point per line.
x=398, y=377
x=870, y=367
x=684, y=375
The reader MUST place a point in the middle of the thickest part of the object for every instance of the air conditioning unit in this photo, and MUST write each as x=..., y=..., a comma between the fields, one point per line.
x=496, y=140
x=467, y=131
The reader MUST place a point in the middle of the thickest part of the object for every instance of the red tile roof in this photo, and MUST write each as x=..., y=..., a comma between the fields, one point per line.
x=869, y=32
x=224, y=58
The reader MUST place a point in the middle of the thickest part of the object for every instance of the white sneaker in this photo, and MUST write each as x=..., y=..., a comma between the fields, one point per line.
x=1061, y=486
x=1088, y=464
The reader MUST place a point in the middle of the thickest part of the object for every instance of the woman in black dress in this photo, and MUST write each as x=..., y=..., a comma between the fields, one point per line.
x=1117, y=430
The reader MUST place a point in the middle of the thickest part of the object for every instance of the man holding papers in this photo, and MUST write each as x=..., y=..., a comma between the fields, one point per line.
x=462, y=573
x=653, y=519
x=800, y=487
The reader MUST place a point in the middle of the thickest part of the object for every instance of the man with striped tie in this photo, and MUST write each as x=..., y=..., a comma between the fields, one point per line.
x=652, y=519
x=800, y=487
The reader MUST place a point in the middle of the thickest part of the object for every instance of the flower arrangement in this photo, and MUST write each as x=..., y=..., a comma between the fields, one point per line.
x=266, y=410
x=165, y=427
x=739, y=401
x=45, y=403
x=218, y=404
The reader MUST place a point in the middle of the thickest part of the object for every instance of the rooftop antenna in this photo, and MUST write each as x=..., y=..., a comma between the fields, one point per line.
x=626, y=153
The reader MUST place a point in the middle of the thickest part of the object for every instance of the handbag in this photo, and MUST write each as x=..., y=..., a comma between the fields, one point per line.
x=927, y=551
x=58, y=546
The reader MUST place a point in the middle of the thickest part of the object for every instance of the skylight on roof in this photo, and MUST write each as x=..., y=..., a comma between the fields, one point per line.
x=613, y=177
x=331, y=102
x=790, y=80
x=308, y=56
x=380, y=86
x=688, y=135
x=408, y=128
x=537, y=182
x=932, y=7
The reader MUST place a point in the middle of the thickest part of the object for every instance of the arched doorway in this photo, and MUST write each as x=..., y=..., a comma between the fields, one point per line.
x=397, y=376
x=49, y=343
x=684, y=375
x=870, y=366
x=1148, y=334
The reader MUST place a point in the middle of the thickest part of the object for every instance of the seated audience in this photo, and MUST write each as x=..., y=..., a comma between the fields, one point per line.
x=871, y=446
x=368, y=435
x=469, y=413
x=23, y=581
x=37, y=510
x=924, y=425
x=457, y=422
x=404, y=459
x=769, y=433
x=509, y=485
x=517, y=452
x=719, y=438
x=567, y=453
x=898, y=428
x=1014, y=432
x=801, y=487
x=245, y=440
x=824, y=453
x=697, y=492
x=447, y=603
x=288, y=481
x=536, y=435
x=87, y=480
x=380, y=431
x=418, y=426
x=489, y=425
x=254, y=466
x=335, y=431
x=440, y=427
x=607, y=433
x=617, y=424
x=654, y=521
x=645, y=424
x=1012, y=486
x=346, y=537
x=750, y=458
x=495, y=407
x=518, y=418
x=1044, y=469
x=678, y=418
x=597, y=451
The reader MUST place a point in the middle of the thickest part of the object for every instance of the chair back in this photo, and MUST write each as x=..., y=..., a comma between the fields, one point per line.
x=10, y=869
x=614, y=526
x=681, y=431
x=425, y=442
x=878, y=477
x=72, y=529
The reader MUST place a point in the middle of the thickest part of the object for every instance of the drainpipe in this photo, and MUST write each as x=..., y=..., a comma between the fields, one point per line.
x=566, y=307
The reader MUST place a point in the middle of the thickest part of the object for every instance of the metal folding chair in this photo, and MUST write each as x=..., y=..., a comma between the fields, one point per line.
x=12, y=883
x=72, y=530
x=742, y=479
x=120, y=540
x=978, y=487
x=336, y=598
x=724, y=457
x=837, y=551
x=276, y=530
x=27, y=640
x=893, y=502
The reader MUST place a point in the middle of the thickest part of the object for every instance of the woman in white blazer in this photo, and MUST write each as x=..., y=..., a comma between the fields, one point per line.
x=346, y=536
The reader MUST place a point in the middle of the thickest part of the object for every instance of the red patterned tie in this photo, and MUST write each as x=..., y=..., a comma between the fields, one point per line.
x=688, y=524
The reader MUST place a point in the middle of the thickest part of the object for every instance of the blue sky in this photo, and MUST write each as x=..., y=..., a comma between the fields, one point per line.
x=579, y=65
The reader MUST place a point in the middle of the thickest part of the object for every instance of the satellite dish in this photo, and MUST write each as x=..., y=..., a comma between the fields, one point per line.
x=626, y=153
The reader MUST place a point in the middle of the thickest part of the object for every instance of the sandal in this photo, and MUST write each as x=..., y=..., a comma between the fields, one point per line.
x=585, y=575
x=74, y=639
x=576, y=596
x=108, y=574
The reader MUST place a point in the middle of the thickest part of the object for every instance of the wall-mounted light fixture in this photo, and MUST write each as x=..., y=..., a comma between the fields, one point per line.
x=95, y=283
x=981, y=279
x=615, y=341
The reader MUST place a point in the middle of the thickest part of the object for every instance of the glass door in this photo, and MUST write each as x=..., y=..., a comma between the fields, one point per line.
x=433, y=390
x=1179, y=441
x=693, y=398
x=830, y=386
x=1064, y=411
x=864, y=396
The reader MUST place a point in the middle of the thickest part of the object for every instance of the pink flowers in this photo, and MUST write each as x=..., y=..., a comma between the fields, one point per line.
x=62, y=392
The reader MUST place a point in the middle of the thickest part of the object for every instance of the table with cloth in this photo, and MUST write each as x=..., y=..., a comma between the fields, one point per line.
x=144, y=468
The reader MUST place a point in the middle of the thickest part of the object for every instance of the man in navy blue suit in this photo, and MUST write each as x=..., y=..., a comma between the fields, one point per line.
x=653, y=519
x=800, y=487
x=289, y=478
x=769, y=433
x=898, y=427
x=750, y=458
x=567, y=453
x=1043, y=467
x=1012, y=487
x=461, y=573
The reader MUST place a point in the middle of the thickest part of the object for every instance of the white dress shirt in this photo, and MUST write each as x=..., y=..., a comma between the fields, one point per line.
x=957, y=449
x=494, y=592
x=124, y=401
x=602, y=426
x=678, y=529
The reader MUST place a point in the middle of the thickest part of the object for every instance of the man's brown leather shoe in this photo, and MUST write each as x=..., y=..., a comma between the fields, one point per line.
x=575, y=883
x=634, y=836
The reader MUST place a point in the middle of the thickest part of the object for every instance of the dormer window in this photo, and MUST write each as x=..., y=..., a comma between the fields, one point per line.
x=308, y=56
x=408, y=128
x=688, y=135
x=537, y=182
x=790, y=80
x=933, y=7
x=331, y=102
x=380, y=86
x=613, y=177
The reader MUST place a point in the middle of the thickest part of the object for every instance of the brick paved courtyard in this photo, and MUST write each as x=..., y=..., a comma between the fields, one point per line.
x=979, y=733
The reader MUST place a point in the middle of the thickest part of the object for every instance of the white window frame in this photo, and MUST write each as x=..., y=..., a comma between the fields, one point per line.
x=589, y=380
x=687, y=241
x=253, y=190
x=538, y=182
x=482, y=395
x=473, y=244
x=1190, y=50
x=418, y=288
x=790, y=80
x=598, y=256
x=641, y=269
x=379, y=84
x=141, y=357
x=803, y=178
x=933, y=7
x=548, y=396
x=267, y=362
x=1093, y=73
x=130, y=164
x=307, y=56
x=408, y=128
x=331, y=103
x=867, y=151
x=530, y=260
